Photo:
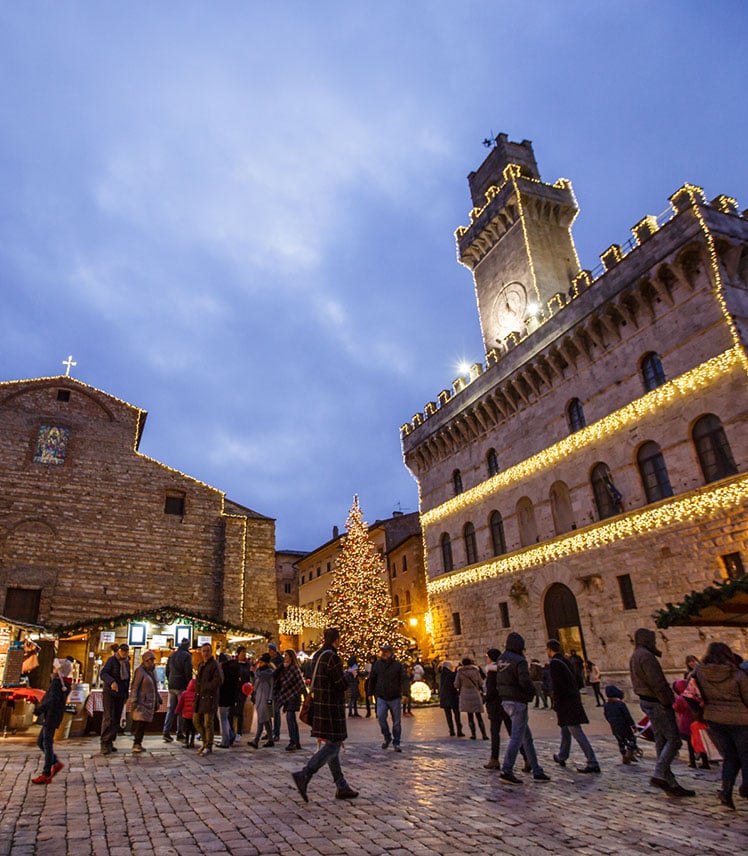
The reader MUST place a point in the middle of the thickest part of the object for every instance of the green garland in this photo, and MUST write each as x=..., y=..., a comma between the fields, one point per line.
x=162, y=614
x=697, y=601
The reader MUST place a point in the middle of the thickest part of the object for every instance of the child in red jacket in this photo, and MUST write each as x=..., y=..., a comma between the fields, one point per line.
x=185, y=709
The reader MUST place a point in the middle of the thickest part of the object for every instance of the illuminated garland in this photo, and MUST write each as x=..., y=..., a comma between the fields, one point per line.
x=297, y=618
x=685, y=384
x=699, y=504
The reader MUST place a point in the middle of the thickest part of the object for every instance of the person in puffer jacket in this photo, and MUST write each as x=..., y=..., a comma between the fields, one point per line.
x=516, y=690
x=185, y=708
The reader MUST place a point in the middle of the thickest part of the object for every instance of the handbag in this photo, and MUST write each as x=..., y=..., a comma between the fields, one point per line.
x=306, y=714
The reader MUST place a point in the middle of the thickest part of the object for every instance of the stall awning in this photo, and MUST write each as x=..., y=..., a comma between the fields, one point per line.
x=162, y=615
x=721, y=605
x=24, y=625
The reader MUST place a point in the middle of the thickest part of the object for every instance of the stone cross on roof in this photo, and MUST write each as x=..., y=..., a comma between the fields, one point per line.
x=69, y=363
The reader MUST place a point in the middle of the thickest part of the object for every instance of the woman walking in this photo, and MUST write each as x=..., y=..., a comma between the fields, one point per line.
x=264, y=686
x=289, y=690
x=469, y=684
x=144, y=698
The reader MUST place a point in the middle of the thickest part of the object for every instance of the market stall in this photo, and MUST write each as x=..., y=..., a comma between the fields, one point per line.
x=20, y=651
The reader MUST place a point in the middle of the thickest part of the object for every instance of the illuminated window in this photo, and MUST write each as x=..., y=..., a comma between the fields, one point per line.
x=715, y=455
x=498, y=541
x=446, y=543
x=471, y=548
x=653, y=373
x=607, y=498
x=575, y=415
x=733, y=564
x=457, y=482
x=653, y=472
x=492, y=462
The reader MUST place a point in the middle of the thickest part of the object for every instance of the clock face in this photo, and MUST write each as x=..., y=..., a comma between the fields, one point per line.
x=509, y=308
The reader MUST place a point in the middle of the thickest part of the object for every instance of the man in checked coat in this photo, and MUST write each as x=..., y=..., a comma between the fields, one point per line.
x=328, y=718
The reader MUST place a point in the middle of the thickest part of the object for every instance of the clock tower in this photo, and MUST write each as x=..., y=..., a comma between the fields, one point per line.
x=518, y=244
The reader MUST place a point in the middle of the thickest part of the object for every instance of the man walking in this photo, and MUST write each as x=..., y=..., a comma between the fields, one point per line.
x=209, y=679
x=656, y=700
x=515, y=690
x=115, y=676
x=570, y=714
x=178, y=675
x=388, y=683
x=328, y=718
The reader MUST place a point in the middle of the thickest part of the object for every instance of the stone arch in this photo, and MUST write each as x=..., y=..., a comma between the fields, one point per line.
x=528, y=527
x=561, y=509
x=562, y=620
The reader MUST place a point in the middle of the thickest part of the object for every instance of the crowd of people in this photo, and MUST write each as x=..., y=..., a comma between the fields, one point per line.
x=707, y=707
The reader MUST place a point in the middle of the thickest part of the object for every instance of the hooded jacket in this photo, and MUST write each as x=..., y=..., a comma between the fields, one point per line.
x=513, y=674
x=647, y=678
x=724, y=689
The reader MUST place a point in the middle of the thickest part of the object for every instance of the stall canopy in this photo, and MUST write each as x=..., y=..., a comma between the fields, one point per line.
x=162, y=615
x=721, y=605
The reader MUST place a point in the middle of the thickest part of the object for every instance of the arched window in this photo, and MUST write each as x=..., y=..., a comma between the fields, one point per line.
x=563, y=516
x=607, y=497
x=492, y=462
x=498, y=541
x=653, y=472
x=653, y=373
x=446, y=543
x=471, y=548
x=407, y=600
x=396, y=604
x=528, y=528
x=575, y=415
x=715, y=455
x=457, y=482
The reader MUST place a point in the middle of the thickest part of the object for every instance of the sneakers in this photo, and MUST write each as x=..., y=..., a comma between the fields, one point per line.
x=42, y=780
x=397, y=749
x=510, y=777
x=542, y=777
x=168, y=738
x=56, y=767
x=493, y=764
x=589, y=768
x=560, y=761
x=726, y=799
x=677, y=790
x=137, y=748
x=301, y=780
x=386, y=743
x=346, y=793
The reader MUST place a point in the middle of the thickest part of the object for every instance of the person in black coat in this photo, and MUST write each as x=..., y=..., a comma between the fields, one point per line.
x=51, y=709
x=115, y=676
x=567, y=702
x=178, y=675
x=449, y=699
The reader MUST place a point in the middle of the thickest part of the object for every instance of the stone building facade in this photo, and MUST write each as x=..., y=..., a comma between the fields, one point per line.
x=91, y=527
x=593, y=468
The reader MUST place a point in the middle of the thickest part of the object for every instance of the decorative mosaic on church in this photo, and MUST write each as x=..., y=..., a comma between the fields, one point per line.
x=51, y=444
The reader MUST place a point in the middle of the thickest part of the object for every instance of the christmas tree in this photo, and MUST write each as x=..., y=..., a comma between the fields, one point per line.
x=358, y=599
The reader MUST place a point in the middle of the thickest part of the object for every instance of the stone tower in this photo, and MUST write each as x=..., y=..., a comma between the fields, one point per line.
x=518, y=244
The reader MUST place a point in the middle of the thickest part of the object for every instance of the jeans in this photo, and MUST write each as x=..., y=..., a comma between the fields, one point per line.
x=228, y=735
x=353, y=701
x=732, y=742
x=329, y=754
x=46, y=742
x=575, y=731
x=395, y=707
x=521, y=736
x=293, y=727
x=667, y=738
x=111, y=716
x=171, y=712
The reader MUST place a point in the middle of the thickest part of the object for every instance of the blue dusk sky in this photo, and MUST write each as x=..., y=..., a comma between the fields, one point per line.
x=239, y=216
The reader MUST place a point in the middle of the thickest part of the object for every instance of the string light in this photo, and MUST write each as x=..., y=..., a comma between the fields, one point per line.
x=692, y=381
x=697, y=505
x=297, y=618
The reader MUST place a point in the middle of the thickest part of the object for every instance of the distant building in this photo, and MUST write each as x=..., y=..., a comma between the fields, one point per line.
x=91, y=527
x=593, y=468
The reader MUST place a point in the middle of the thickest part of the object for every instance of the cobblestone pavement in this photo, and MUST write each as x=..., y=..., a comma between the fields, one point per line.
x=434, y=798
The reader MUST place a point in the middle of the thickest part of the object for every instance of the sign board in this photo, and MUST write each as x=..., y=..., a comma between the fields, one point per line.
x=158, y=642
x=204, y=640
x=13, y=665
x=107, y=637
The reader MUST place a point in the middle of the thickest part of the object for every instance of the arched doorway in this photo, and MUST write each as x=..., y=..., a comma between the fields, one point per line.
x=562, y=619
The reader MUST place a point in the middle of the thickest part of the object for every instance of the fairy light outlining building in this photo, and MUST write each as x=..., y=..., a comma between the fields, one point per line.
x=593, y=468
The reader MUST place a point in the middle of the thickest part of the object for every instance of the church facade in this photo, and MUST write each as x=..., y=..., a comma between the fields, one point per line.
x=593, y=468
x=91, y=527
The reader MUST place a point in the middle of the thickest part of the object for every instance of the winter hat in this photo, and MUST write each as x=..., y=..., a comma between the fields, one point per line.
x=264, y=658
x=515, y=642
x=612, y=691
x=272, y=646
x=493, y=654
x=64, y=667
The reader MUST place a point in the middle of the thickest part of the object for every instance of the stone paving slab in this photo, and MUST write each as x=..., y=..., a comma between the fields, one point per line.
x=434, y=798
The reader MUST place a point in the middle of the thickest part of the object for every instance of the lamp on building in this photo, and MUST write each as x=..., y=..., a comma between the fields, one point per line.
x=413, y=622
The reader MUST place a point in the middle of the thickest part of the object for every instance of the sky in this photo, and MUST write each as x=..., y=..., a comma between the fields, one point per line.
x=240, y=216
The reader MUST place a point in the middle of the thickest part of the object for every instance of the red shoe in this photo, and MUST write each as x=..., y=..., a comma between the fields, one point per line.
x=42, y=780
x=56, y=767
